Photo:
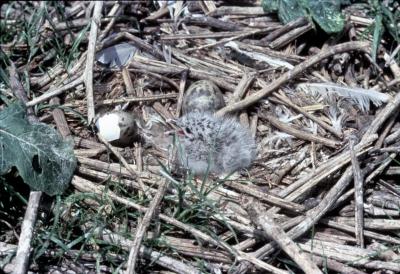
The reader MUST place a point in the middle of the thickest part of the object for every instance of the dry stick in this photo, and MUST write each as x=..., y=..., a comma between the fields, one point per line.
x=139, y=156
x=367, y=233
x=335, y=265
x=126, y=165
x=138, y=99
x=355, y=256
x=391, y=108
x=291, y=74
x=298, y=133
x=208, y=6
x=87, y=186
x=391, y=171
x=24, y=243
x=358, y=195
x=143, y=226
x=301, y=21
x=128, y=82
x=181, y=92
x=368, y=169
x=389, y=187
x=253, y=125
x=223, y=41
x=55, y=92
x=243, y=86
x=386, y=131
x=235, y=10
x=393, y=82
x=310, y=116
x=221, y=34
x=394, y=67
x=189, y=248
x=101, y=176
x=90, y=59
x=162, y=78
x=86, y=143
x=268, y=198
x=51, y=74
x=157, y=14
x=208, y=65
x=159, y=258
x=59, y=118
x=210, y=22
x=284, y=171
x=164, y=112
x=291, y=58
x=113, y=13
x=290, y=36
x=381, y=167
x=281, y=238
x=147, y=47
x=388, y=149
x=177, y=70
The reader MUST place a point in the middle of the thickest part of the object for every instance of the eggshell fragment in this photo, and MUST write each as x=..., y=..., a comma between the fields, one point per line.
x=108, y=127
x=118, y=127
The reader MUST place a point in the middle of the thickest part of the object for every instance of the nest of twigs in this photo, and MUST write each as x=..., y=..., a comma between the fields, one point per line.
x=322, y=196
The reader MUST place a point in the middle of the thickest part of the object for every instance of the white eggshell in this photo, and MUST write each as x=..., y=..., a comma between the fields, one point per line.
x=108, y=126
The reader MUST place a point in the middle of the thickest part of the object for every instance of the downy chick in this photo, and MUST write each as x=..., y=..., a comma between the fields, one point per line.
x=218, y=145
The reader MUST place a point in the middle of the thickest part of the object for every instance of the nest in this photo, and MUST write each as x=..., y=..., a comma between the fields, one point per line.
x=324, y=188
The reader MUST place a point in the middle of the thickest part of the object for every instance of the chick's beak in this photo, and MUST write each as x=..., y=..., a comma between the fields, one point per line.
x=174, y=128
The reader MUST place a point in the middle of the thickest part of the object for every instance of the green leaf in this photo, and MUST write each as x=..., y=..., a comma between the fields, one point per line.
x=327, y=14
x=290, y=10
x=391, y=20
x=270, y=5
x=378, y=30
x=44, y=160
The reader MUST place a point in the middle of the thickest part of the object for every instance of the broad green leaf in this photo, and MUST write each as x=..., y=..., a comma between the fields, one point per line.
x=270, y=5
x=44, y=160
x=290, y=10
x=327, y=15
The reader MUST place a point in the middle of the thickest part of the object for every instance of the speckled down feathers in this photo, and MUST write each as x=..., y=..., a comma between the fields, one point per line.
x=215, y=145
x=202, y=96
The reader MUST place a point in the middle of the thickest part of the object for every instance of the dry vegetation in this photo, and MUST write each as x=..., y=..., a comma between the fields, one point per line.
x=323, y=195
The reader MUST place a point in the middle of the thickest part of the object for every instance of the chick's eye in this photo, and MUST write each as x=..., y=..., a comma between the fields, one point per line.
x=188, y=130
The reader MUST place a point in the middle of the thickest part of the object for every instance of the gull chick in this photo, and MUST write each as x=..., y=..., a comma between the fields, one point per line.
x=219, y=145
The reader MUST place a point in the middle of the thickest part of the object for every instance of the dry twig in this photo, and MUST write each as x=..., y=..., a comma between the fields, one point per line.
x=90, y=59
